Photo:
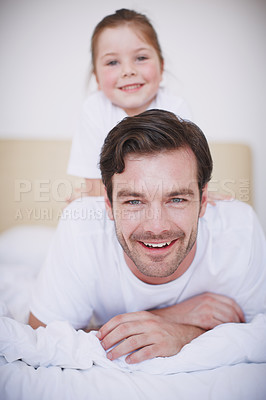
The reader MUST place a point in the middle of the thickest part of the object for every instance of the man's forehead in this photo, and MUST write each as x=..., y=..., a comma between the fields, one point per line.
x=182, y=154
x=175, y=168
x=180, y=151
x=166, y=174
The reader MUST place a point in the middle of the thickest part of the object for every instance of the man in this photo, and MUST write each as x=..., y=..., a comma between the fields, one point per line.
x=161, y=270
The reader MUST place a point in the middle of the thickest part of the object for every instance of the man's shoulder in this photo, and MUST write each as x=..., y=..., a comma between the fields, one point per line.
x=225, y=215
x=228, y=228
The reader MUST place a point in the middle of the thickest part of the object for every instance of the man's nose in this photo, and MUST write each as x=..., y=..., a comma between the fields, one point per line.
x=156, y=220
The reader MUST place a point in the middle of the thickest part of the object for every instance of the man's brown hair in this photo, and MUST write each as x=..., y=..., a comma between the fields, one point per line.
x=152, y=132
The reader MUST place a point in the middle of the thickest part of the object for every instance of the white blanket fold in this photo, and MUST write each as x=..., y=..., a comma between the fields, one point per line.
x=61, y=345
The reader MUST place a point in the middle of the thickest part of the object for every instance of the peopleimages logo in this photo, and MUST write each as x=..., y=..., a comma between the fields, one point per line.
x=60, y=190
x=233, y=189
x=45, y=190
x=46, y=200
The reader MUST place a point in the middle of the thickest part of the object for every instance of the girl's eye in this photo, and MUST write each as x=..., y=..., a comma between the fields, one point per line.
x=113, y=62
x=142, y=58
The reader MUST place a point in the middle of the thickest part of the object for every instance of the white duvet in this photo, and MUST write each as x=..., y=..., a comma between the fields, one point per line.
x=57, y=362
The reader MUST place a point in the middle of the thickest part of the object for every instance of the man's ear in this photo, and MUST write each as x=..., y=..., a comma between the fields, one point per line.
x=108, y=206
x=204, y=200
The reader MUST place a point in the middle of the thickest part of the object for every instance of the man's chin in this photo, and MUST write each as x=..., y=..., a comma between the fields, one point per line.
x=157, y=271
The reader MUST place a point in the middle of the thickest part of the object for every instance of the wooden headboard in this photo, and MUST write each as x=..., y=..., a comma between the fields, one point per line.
x=34, y=184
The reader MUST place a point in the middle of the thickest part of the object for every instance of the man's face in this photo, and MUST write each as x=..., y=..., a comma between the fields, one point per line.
x=156, y=206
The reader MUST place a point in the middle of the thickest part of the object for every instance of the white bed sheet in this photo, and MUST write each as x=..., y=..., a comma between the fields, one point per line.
x=58, y=362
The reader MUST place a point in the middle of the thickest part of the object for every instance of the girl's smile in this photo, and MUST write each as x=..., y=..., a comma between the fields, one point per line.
x=128, y=69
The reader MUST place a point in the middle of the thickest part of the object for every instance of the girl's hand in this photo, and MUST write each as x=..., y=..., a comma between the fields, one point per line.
x=92, y=187
x=213, y=197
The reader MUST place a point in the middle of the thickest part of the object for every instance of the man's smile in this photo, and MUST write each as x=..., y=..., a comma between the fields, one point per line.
x=157, y=245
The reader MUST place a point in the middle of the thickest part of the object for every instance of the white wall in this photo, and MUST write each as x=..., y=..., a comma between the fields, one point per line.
x=214, y=49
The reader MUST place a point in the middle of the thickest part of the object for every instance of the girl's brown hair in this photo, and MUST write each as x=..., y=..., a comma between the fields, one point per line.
x=130, y=18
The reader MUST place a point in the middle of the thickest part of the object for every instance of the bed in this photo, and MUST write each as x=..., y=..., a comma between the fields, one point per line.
x=61, y=363
x=34, y=184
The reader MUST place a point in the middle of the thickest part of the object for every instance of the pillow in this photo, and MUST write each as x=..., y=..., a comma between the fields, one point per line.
x=25, y=244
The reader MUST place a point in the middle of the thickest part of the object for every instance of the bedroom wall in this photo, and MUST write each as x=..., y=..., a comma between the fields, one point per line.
x=214, y=51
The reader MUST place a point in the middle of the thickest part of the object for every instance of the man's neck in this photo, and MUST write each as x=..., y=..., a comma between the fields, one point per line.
x=182, y=268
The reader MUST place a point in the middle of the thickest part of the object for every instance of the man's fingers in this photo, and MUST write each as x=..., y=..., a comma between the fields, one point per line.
x=209, y=310
x=142, y=353
x=239, y=312
x=145, y=353
x=226, y=314
x=121, y=332
x=223, y=312
x=235, y=311
x=231, y=309
x=119, y=320
x=129, y=345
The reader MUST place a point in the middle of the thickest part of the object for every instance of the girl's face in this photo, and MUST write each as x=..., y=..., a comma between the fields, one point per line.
x=127, y=68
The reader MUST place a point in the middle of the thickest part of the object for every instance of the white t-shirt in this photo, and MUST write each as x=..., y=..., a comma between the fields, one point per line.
x=98, y=117
x=85, y=275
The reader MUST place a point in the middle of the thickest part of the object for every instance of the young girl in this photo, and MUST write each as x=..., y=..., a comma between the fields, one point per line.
x=128, y=65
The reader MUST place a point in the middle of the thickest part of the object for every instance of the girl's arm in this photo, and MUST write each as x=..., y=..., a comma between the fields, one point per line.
x=93, y=187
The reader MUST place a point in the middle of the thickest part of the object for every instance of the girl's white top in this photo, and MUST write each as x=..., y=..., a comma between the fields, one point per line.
x=98, y=117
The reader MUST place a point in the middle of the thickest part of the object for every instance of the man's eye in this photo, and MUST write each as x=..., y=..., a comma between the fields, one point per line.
x=134, y=202
x=177, y=200
x=113, y=62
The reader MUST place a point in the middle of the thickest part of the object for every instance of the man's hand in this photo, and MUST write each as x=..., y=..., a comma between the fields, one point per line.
x=35, y=322
x=146, y=335
x=206, y=311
